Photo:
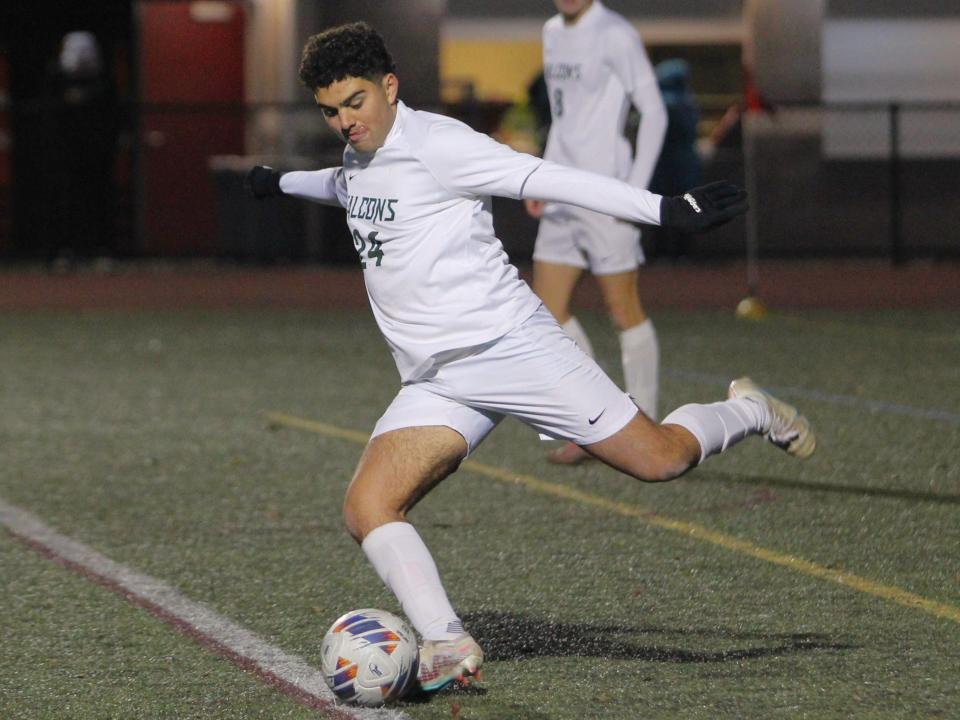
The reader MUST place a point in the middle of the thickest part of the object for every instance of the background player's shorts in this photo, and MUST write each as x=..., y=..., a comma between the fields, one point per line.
x=535, y=373
x=582, y=238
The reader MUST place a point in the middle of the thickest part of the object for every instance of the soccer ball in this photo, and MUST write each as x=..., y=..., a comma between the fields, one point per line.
x=369, y=657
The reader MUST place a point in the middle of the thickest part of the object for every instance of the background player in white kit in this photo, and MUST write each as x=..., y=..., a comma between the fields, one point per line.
x=595, y=66
x=471, y=341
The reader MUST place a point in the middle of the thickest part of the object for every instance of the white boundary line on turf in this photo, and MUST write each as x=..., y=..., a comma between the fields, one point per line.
x=288, y=673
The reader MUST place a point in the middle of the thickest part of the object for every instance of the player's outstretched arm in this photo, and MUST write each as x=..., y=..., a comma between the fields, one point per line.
x=469, y=162
x=322, y=186
x=697, y=210
x=703, y=208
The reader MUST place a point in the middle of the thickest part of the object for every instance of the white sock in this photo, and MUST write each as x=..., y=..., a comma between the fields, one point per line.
x=719, y=425
x=405, y=565
x=574, y=329
x=640, y=355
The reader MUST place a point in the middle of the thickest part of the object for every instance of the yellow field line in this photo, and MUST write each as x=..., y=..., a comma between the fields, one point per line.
x=317, y=427
x=694, y=530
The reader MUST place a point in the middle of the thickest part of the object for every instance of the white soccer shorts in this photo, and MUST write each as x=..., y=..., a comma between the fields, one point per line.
x=534, y=373
x=585, y=239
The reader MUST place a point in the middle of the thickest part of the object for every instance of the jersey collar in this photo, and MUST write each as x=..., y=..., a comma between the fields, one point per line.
x=398, y=121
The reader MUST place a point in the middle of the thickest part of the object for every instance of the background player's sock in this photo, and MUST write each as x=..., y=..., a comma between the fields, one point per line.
x=719, y=425
x=574, y=329
x=406, y=567
x=640, y=355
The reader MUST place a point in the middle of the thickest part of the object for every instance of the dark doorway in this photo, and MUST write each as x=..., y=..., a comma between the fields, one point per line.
x=68, y=67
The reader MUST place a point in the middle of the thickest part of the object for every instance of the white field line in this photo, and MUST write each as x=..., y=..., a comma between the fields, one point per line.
x=288, y=673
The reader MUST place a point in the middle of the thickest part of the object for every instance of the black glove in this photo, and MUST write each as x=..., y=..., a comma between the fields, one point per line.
x=263, y=181
x=704, y=207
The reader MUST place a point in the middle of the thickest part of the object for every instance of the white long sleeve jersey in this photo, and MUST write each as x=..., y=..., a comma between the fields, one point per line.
x=419, y=211
x=594, y=69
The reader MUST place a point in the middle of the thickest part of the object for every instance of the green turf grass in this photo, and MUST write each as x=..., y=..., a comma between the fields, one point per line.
x=145, y=436
x=72, y=649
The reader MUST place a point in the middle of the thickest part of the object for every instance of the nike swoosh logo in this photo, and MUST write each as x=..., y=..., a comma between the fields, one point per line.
x=351, y=177
x=594, y=420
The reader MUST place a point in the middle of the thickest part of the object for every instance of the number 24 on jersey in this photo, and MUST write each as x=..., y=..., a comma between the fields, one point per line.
x=373, y=249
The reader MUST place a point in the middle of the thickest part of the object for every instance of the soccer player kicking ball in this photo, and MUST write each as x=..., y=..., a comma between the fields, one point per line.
x=595, y=66
x=472, y=342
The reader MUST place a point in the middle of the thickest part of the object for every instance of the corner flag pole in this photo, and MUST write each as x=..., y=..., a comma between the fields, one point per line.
x=751, y=307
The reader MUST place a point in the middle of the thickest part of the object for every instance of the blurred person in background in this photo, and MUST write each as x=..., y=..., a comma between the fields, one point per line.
x=595, y=66
x=679, y=165
x=539, y=102
x=82, y=113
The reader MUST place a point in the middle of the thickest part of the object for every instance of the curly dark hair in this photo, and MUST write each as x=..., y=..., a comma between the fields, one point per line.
x=351, y=50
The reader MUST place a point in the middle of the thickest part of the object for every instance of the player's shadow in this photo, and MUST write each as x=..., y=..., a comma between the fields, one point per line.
x=773, y=482
x=507, y=636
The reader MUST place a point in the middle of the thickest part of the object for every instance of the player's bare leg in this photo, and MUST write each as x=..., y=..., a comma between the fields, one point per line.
x=656, y=452
x=396, y=471
x=649, y=451
x=554, y=284
x=622, y=298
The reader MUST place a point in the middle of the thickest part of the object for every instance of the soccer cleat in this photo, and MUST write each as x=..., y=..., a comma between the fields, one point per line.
x=568, y=454
x=445, y=661
x=788, y=429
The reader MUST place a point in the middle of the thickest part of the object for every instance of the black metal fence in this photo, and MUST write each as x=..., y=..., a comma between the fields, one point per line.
x=855, y=179
x=843, y=179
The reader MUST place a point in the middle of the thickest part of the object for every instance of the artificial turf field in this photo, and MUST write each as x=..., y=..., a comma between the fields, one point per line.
x=208, y=449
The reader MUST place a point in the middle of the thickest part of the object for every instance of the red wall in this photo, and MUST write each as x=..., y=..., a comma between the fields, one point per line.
x=186, y=62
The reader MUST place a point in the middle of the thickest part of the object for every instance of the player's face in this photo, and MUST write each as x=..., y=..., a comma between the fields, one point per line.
x=572, y=9
x=360, y=111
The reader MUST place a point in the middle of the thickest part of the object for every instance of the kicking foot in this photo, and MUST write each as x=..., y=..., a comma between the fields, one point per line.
x=789, y=429
x=568, y=454
x=445, y=661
